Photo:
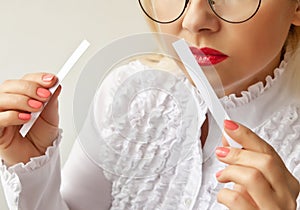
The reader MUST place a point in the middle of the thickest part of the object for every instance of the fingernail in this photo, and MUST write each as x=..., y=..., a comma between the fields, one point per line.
x=218, y=174
x=222, y=151
x=48, y=77
x=230, y=125
x=42, y=92
x=24, y=116
x=34, y=104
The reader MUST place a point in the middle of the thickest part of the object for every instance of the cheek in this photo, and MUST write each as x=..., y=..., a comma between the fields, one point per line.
x=258, y=49
x=254, y=50
x=270, y=29
x=260, y=42
x=173, y=28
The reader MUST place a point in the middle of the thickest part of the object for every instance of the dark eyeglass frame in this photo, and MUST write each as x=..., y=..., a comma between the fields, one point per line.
x=210, y=2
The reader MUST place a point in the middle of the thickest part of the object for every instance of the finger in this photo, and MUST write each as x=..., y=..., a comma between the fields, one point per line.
x=253, y=180
x=46, y=80
x=9, y=118
x=50, y=113
x=26, y=88
x=234, y=200
x=271, y=166
x=241, y=189
x=42, y=79
x=49, y=118
x=19, y=103
x=247, y=138
x=271, y=160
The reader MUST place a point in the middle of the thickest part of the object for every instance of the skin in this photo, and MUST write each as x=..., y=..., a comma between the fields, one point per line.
x=261, y=179
x=200, y=27
x=251, y=57
x=14, y=97
x=254, y=49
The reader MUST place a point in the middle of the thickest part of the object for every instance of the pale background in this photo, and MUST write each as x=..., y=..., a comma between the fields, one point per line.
x=40, y=35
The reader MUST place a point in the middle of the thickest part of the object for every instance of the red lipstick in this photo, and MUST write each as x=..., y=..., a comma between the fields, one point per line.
x=207, y=56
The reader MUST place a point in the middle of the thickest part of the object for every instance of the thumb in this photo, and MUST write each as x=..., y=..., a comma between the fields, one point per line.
x=50, y=113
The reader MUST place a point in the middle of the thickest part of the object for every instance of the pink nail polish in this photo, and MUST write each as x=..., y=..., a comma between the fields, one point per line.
x=222, y=152
x=34, y=104
x=218, y=174
x=42, y=92
x=230, y=125
x=24, y=116
x=47, y=77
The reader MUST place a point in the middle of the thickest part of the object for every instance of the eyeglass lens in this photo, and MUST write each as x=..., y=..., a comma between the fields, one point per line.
x=233, y=11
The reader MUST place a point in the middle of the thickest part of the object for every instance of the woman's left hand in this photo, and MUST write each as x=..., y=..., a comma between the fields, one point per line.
x=261, y=180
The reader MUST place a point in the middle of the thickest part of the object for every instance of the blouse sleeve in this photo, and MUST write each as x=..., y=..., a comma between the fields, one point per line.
x=34, y=185
x=37, y=184
x=84, y=185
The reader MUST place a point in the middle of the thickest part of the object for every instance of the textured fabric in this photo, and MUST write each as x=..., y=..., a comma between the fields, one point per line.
x=271, y=110
x=34, y=186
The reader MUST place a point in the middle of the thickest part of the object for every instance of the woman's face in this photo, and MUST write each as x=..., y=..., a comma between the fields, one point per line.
x=250, y=50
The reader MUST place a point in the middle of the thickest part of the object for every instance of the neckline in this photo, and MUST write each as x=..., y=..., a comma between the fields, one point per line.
x=255, y=102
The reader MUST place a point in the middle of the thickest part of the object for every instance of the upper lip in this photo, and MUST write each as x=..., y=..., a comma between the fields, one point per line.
x=206, y=56
x=206, y=51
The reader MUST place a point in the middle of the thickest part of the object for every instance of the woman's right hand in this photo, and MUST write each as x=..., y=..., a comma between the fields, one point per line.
x=18, y=98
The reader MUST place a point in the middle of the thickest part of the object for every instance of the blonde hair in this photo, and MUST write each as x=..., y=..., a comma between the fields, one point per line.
x=293, y=37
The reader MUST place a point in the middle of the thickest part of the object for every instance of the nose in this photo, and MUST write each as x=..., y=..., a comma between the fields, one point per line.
x=199, y=17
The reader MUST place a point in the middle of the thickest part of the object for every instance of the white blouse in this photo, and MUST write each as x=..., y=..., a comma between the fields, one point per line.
x=157, y=162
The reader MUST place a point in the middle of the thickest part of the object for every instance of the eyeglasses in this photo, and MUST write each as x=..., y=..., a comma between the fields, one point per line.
x=231, y=11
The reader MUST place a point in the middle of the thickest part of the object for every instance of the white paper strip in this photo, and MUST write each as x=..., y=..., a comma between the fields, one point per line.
x=204, y=87
x=61, y=75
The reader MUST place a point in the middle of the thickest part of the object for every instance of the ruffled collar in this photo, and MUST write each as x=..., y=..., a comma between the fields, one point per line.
x=260, y=101
x=254, y=91
x=262, y=98
x=283, y=72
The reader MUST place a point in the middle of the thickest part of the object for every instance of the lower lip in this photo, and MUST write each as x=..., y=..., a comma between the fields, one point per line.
x=209, y=59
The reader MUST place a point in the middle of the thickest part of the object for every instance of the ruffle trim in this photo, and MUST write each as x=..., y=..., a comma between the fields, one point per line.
x=255, y=90
x=155, y=167
x=177, y=187
x=283, y=133
x=10, y=179
x=9, y=173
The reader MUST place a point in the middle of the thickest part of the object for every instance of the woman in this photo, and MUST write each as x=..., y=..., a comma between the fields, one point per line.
x=257, y=45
